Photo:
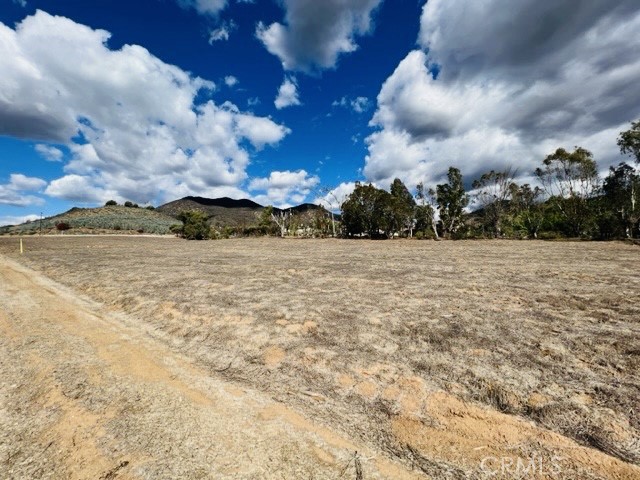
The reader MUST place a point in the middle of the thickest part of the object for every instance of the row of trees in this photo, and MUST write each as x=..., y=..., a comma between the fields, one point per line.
x=128, y=204
x=571, y=200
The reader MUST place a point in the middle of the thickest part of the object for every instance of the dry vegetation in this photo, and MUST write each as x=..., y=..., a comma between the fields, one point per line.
x=437, y=353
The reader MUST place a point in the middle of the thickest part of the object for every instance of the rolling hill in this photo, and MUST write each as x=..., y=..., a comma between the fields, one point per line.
x=109, y=219
x=222, y=212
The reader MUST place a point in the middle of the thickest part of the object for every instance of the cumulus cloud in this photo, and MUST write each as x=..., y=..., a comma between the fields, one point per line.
x=332, y=199
x=283, y=188
x=316, y=33
x=16, y=192
x=287, y=94
x=18, y=220
x=506, y=82
x=49, y=153
x=61, y=82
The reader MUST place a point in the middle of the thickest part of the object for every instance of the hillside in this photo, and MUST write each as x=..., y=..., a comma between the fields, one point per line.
x=222, y=212
x=226, y=211
x=98, y=220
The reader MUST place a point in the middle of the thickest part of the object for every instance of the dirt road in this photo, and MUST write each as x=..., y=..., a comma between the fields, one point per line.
x=87, y=394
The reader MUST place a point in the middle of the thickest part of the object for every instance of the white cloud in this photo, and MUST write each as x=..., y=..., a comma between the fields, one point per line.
x=230, y=81
x=18, y=219
x=258, y=130
x=358, y=104
x=333, y=198
x=15, y=193
x=22, y=182
x=78, y=188
x=283, y=188
x=60, y=78
x=315, y=33
x=49, y=153
x=222, y=33
x=22, y=3
x=287, y=94
x=516, y=80
x=206, y=7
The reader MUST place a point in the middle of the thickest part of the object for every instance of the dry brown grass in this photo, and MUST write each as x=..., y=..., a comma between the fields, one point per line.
x=359, y=333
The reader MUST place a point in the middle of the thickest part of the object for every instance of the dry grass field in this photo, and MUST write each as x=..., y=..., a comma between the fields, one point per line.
x=434, y=354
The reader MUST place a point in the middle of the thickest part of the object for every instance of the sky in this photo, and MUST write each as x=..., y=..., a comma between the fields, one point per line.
x=282, y=101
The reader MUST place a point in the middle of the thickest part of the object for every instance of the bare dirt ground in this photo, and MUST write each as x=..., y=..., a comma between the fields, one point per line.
x=271, y=358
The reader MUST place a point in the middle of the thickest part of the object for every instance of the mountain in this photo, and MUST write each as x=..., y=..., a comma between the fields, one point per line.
x=221, y=211
x=227, y=211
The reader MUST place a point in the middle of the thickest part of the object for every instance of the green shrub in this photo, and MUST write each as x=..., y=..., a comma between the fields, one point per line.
x=194, y=225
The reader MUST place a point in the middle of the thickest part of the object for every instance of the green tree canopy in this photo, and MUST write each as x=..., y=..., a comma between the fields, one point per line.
x=452, y=200
x=365, y=211
x=570, y=179
x=629, y=141
x=402, y=208
x=622, y=194
x=493, y=191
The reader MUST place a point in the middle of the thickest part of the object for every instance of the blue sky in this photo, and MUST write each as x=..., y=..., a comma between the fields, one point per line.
x=152, y=100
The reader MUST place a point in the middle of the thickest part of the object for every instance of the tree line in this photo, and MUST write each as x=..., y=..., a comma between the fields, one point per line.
x=570, y=200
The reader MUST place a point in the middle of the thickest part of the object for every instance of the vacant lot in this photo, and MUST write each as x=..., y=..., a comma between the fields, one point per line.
x=435, y=354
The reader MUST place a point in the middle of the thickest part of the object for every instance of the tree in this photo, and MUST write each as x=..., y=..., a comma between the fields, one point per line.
x=629, y=141
x=493, y=192
x=570, y=179
x=527, y=209
x=111, y=203
x=452, y=200
x=195, y=225
x=366, y=211
x=282, y=218
x=622, y=194
x=402, y=206
x=332, y=202
x=426, y=210
x=130, y=204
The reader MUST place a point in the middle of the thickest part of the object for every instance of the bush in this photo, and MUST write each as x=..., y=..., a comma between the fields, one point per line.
x=194, y=225
x=130, y=205
x=62, y=226
x=111, y=203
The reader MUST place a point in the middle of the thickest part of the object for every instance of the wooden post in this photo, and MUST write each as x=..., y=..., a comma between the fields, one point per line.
x=21, y=247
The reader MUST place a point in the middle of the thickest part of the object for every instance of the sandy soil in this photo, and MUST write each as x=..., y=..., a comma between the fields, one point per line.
x=86, y=395
x=447, y=360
